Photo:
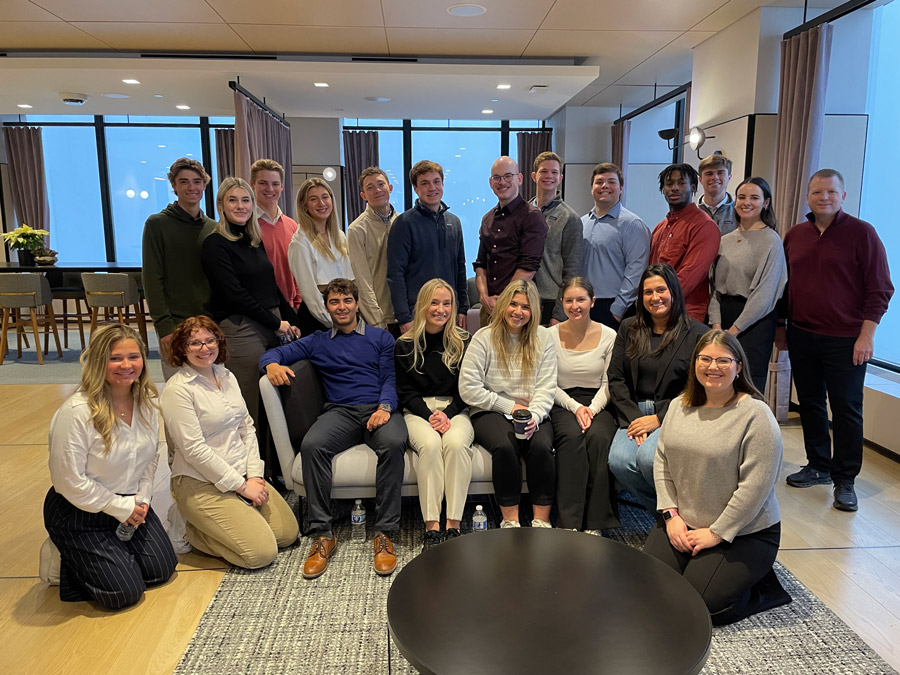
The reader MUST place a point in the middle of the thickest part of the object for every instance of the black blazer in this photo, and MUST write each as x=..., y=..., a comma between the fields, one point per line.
x=675, y=364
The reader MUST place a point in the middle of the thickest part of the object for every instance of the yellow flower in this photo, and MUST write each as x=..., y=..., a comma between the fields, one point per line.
x=25, y=237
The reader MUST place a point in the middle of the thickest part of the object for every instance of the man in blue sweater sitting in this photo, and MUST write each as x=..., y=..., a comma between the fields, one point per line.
x=356, y=364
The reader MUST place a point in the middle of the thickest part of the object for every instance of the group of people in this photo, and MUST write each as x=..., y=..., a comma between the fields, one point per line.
x=593, y=364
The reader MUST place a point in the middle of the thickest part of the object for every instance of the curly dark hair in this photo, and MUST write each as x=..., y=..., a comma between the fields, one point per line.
x=686, y=171
x=182, y=336
x=341, y=287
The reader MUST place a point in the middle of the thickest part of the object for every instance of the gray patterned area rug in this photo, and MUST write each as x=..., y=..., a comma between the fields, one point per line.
x=274, y=621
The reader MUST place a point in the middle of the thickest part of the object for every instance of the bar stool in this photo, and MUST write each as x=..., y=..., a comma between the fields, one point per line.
x=70, y=288
x=32, y=291
x=113, y=290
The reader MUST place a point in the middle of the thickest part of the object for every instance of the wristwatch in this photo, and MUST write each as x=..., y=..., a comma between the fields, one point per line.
x=668, y=514
x=387, y=407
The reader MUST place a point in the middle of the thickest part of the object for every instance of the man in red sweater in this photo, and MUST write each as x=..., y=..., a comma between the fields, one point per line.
x=839, y=286
x=688, y=239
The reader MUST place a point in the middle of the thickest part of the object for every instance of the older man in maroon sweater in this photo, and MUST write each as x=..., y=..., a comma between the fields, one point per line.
x=839, y=287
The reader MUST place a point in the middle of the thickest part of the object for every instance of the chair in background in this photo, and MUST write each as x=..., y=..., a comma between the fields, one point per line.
x=31, y=291
x=69, y=288
x=116, y=291
x=473, y=318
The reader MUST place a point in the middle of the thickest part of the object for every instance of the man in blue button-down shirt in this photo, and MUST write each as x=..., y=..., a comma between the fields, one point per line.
x=356, y=364
x=616, y=247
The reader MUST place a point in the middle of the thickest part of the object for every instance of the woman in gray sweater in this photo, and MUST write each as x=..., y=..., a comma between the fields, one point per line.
x=718, y=457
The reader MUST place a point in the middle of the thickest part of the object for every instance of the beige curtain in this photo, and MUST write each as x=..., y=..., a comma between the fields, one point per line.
x=260, y=135
x=801, y=118
x=360, y=152
x=28, y=184
x=224, y=153
x=621, y=137
x=529, y=145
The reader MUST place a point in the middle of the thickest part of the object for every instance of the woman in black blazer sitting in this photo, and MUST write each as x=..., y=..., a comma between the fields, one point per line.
x=650, y=363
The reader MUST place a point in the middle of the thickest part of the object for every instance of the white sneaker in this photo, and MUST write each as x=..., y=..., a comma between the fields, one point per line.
x=509, y=523
x=540, y=523
x=596, y=533
x=50, y=562
x=176, y=531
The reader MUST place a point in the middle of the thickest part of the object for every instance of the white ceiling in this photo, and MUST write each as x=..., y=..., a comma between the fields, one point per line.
x=433, y=65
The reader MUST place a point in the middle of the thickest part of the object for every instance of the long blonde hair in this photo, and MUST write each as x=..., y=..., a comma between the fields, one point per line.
x=94, y=362
x=305, y=221
x=454, y=336
x=223, y=227
x=523, y=352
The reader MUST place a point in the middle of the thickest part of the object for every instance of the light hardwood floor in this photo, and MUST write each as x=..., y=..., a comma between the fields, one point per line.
x=851, y=561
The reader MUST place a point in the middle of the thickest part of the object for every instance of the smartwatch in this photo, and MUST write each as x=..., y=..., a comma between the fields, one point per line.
x=668, y=514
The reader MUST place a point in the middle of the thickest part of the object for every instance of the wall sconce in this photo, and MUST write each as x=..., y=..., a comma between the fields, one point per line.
x=696, y=138
x=668, y=135
x=329, y=174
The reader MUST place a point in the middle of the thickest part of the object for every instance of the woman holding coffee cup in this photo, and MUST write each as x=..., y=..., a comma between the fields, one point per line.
x=650, y=363
x=583, y=427
x=508, y=378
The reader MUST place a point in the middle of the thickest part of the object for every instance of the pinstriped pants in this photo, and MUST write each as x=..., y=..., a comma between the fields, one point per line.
x=96, y=565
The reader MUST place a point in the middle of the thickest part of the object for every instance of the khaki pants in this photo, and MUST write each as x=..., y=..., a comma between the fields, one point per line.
x=445, y=462
x=223, y=525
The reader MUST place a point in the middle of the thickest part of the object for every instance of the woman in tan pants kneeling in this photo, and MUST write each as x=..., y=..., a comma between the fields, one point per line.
x=217, y=475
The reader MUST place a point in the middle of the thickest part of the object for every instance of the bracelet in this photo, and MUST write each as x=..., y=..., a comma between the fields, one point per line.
x=242, y=488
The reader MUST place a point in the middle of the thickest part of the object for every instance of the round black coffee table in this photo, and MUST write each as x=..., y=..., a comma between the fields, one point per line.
x=545, y=601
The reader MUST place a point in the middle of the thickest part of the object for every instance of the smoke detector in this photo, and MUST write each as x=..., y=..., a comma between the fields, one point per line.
x=72, y=98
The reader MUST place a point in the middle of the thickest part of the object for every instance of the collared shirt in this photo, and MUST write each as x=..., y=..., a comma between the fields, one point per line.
x=616, y=250
x=688, y=240
x=511, y=237
x=276, y=236
x=91, y=478
x=722, y=213
x=563, y=251
x=838, y=278
x=214, y=436
x=367, y=239
x=357, y=368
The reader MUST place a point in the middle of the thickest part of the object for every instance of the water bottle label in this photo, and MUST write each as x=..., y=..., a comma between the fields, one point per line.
x=479, y=524
x=358, y=519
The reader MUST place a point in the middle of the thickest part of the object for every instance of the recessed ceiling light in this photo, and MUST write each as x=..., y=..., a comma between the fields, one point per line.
x=131, y=81
x=129, y=194
x=160, y=146
x=378, y=99
x=24, y=105
x=504, y=86
x=487, y=111
x=467, y=9
x=116, y=95
x=183, y=107
x=321, y=84
x=457, y=155
x=157, y=95
x=495, y=100
x=462, y=148
x=158, y=178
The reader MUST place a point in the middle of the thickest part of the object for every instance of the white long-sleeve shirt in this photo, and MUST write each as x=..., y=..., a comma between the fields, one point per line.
x=312, y=269
x=91, y=478
x=214, y=436
x=487, y=387
x=583, y=369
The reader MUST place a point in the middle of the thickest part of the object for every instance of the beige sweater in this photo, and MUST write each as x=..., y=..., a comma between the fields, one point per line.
x=718, y=466
x=367, y=239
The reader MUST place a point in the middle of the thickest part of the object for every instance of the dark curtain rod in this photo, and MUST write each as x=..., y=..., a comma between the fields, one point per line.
x=262, y=104
x=659, y=100
x=830, y=15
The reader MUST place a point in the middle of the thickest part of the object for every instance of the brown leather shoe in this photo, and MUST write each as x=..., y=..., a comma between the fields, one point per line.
x=385, y=558
x=319, y=555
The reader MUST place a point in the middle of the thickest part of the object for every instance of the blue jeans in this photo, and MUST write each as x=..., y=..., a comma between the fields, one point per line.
x=632, y=464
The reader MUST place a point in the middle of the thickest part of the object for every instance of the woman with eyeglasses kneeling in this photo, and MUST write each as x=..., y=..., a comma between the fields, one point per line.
x=217, y=475
x=717, y=460
x=508, y=378
x=103, y=455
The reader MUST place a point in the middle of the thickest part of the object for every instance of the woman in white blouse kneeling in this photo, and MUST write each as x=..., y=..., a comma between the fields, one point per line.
x=103, y=457
x=217, y=475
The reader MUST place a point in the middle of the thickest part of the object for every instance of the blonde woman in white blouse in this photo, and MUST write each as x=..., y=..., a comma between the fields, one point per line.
x=217, y=476
x=318, y=250
x=103, y=457
x=582, y=427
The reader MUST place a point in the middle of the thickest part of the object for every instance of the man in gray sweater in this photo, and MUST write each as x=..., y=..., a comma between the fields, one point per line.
x=564, y=246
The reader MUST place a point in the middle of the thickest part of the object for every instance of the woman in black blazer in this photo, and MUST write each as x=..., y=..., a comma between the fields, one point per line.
x=650, y=363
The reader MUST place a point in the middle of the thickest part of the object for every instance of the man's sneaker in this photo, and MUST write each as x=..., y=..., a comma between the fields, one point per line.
x=450, y=533
x=431, y=539
x=845, y=497
x=509, y=523
x=540, y=523
x=807, y=477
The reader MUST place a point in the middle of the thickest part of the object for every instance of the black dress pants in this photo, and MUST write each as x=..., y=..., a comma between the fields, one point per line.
x=756, y=339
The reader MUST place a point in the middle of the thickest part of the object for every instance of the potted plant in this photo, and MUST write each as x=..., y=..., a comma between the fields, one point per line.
x=25, y=240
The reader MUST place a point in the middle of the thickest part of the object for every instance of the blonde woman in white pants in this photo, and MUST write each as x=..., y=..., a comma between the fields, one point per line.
x=427, y=360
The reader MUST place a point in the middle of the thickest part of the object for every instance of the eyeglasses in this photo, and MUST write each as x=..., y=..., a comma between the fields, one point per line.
x=722, y=362
x=197, y=345
x=505, y=178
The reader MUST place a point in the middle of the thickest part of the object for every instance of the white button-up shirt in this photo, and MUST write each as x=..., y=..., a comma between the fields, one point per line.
x=214, y=436
x=91, y=478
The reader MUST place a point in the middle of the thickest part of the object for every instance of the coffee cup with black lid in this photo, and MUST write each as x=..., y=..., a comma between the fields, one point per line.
x=521, y=418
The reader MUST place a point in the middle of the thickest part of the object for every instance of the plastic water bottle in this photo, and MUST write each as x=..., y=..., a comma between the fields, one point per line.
x=125, y=531
x=358, y=520
x=479, y=520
